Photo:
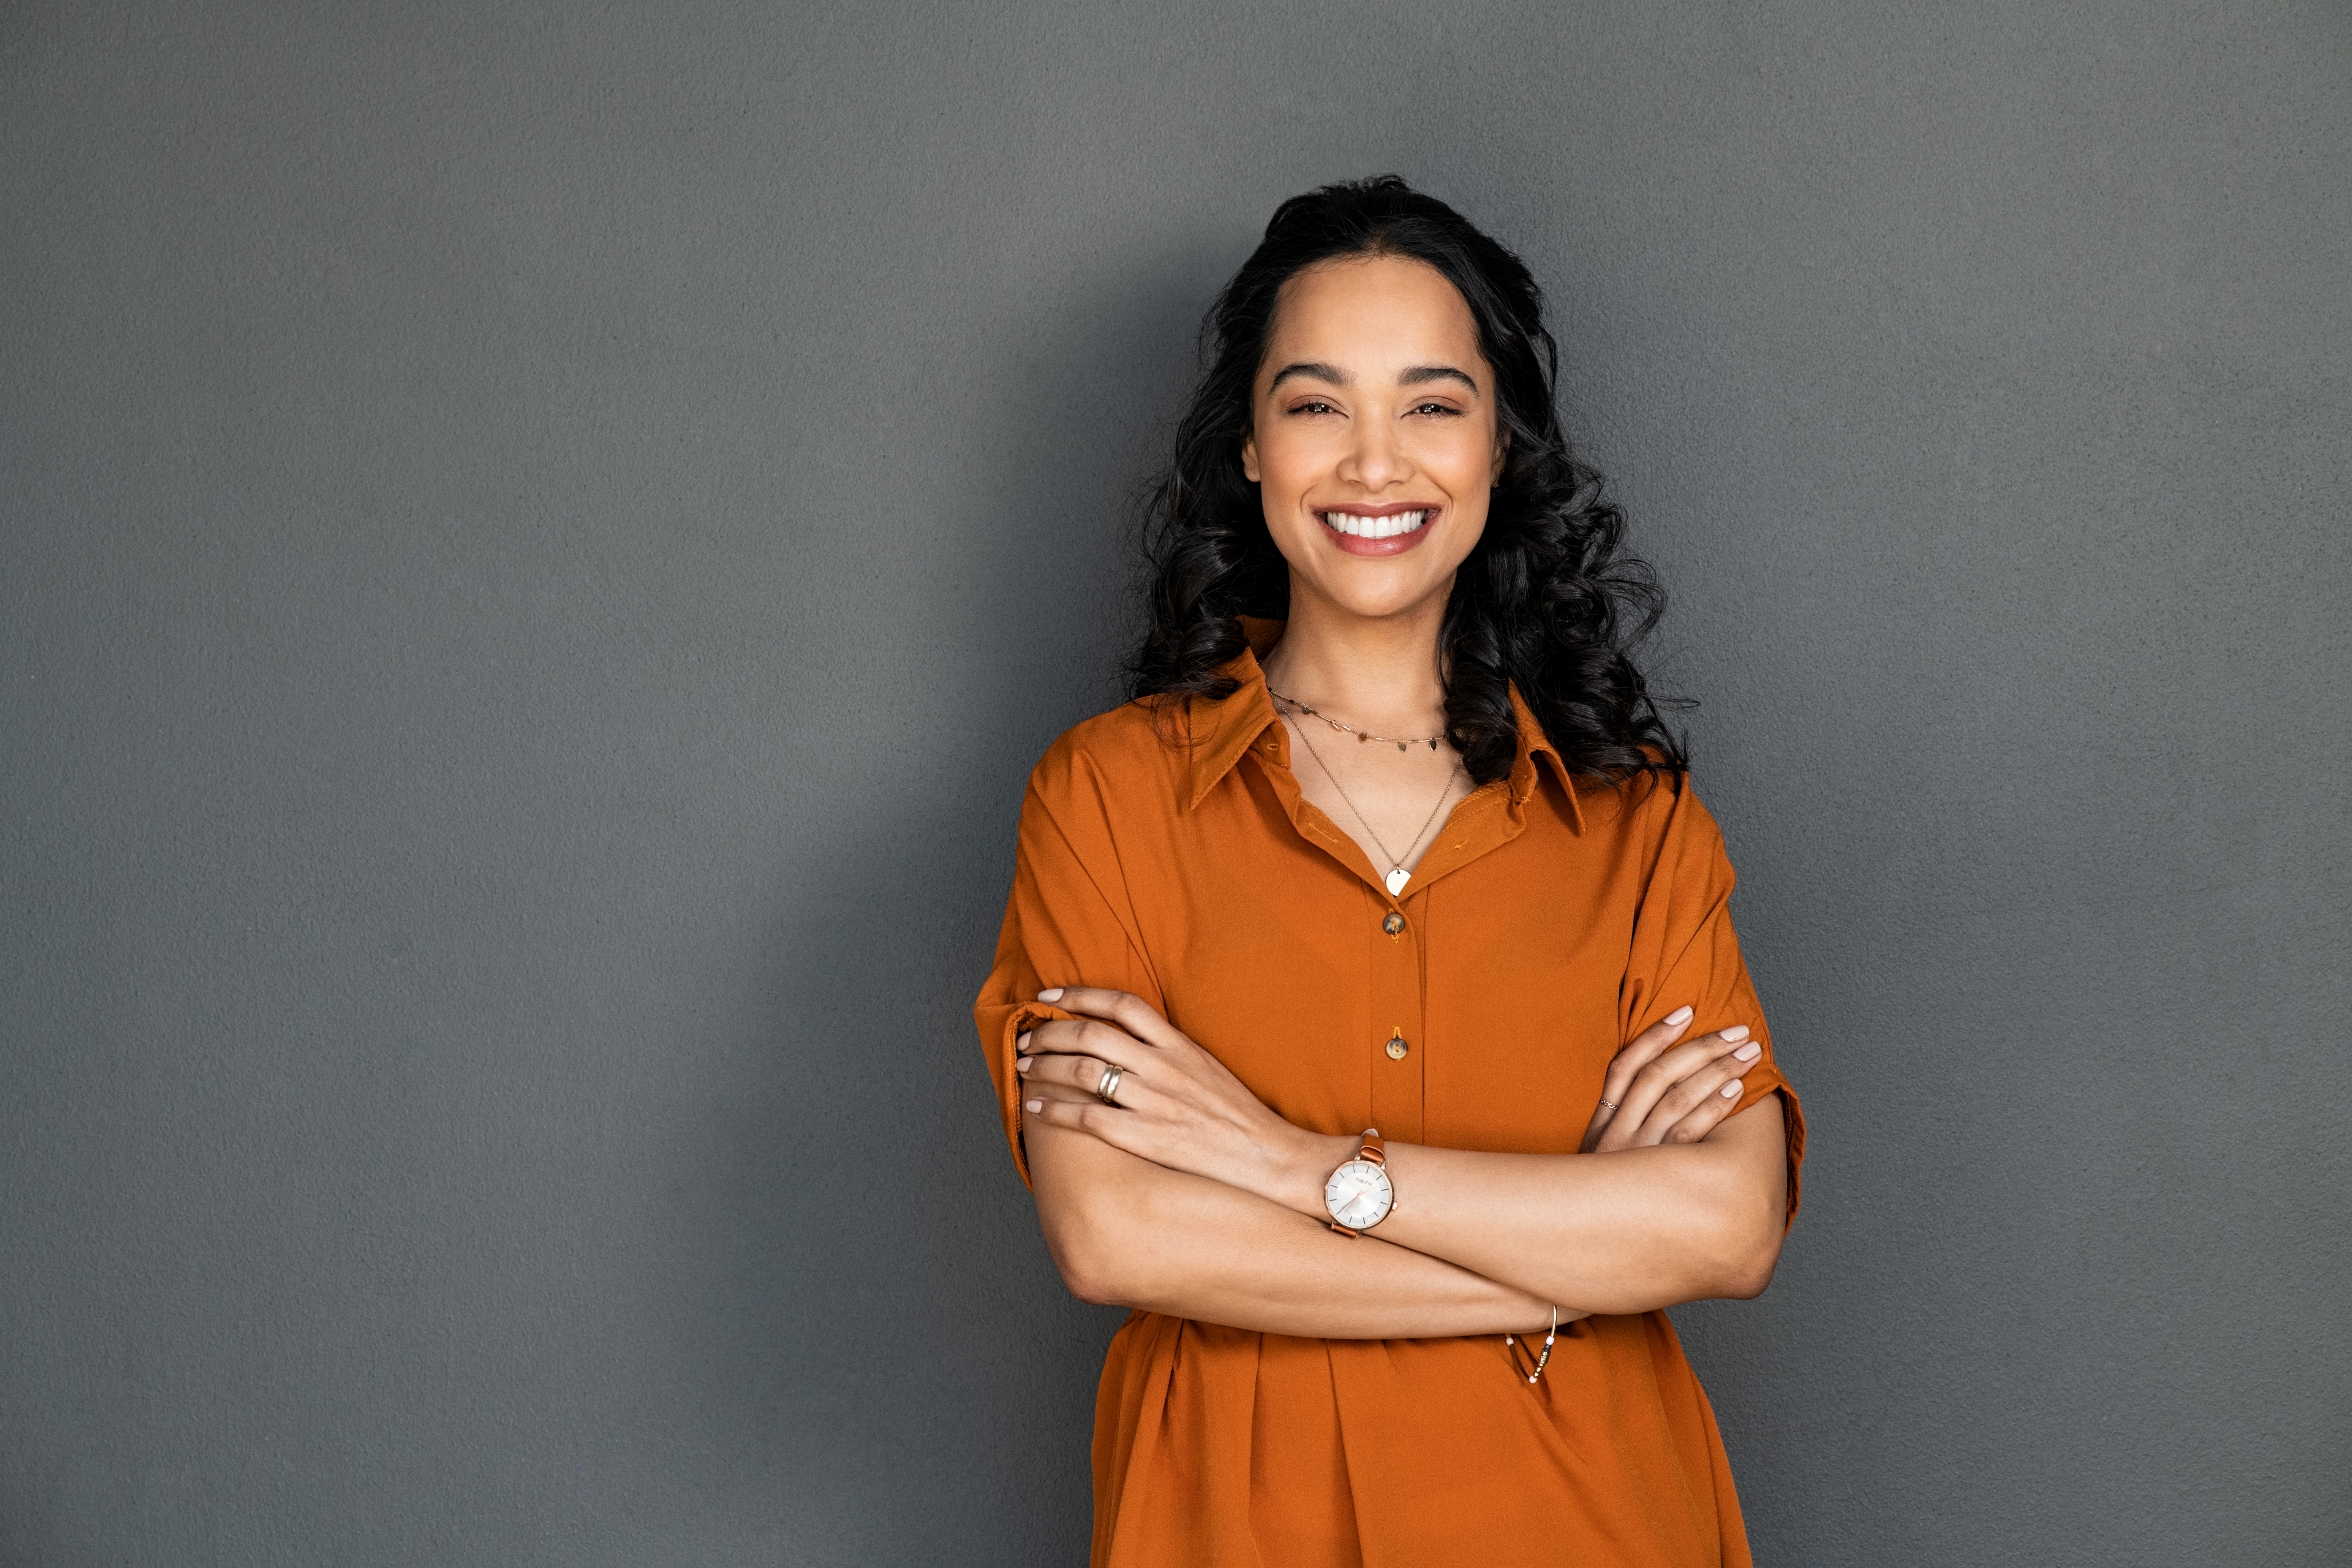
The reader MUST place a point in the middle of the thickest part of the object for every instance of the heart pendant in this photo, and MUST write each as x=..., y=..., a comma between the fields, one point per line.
x=1397, y=880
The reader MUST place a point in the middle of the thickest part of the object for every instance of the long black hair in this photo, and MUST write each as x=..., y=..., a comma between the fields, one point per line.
x=1547, y=598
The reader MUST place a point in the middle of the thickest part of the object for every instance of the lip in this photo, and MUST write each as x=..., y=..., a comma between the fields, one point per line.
x=1396, y=544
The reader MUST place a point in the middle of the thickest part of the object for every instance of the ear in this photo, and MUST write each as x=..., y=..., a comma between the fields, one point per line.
x=1502, y=452
x=1249, y=458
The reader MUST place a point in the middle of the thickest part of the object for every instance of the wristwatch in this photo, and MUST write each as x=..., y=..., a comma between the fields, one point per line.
x=1359, y=1193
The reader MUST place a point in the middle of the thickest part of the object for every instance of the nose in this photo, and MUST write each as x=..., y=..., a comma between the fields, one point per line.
x=1377, y=459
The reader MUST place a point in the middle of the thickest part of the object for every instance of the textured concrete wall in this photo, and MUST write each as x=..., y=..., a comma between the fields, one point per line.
x=538, y=544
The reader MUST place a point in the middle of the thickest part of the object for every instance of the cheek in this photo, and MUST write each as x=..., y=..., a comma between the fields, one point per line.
x=1463, y=456
x=1287, y=463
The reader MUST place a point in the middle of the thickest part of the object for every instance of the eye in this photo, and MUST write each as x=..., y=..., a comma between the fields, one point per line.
x=1313, y=405
x=1434, y=408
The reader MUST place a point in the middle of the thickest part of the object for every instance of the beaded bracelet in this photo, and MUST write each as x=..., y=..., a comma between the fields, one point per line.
x=1511, y=1344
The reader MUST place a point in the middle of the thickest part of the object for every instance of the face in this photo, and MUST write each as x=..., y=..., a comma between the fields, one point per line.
x=1375, y=438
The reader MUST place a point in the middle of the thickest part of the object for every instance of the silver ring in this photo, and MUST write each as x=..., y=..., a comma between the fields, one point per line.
x=1607, y=1105
x=1110, y=1085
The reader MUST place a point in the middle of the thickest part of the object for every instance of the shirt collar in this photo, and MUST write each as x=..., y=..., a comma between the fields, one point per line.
x=1534, y=743
x=1217, y=733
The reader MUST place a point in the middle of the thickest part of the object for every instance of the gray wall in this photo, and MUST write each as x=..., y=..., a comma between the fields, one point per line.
x=538, y=544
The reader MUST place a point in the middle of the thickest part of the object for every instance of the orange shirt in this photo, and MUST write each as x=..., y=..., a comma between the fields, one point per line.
x=1552, y=921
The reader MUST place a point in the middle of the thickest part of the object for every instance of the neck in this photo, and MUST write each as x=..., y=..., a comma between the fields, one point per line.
x=1379, y=673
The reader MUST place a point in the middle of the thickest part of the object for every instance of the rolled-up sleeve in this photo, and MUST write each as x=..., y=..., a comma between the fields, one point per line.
x=1685, y=952
x=1069, y=920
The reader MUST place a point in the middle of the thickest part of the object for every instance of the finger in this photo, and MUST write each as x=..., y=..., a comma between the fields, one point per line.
x=1709, y=1114
x=1128, y=1011
x=1053, y=1035
x=1663, y=1077
x=1089, y=1116
x=1676, y=1066
x=1637, y=1054
x=1660, y=1076
x=1060, y=1091
x=1642, y=1049
x=1083, y=1073
x=1074, y=1071
x=1713, y=1085
x=1077, y=1076
x=1087, y=1037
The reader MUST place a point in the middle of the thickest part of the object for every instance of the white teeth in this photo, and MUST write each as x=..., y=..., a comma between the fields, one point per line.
x=1376, y=526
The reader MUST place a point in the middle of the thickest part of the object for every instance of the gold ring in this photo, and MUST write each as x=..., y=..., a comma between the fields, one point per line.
x=1110, y=1085
x=1608, y=1105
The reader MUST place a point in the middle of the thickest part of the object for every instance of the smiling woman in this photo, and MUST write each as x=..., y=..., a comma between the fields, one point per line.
x=1368, y=1014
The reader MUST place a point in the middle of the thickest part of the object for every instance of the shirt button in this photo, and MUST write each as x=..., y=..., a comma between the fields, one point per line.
x=1397, y=1049
x=1393, y=924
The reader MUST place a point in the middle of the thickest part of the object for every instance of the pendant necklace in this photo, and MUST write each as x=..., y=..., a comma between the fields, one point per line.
x=1398, y=875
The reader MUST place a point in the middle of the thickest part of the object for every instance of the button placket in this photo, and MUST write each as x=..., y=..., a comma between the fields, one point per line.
x=1395, y=1020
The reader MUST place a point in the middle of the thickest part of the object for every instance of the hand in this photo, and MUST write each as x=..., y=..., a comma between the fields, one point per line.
x=1176, y=1106
x=1670, y=1093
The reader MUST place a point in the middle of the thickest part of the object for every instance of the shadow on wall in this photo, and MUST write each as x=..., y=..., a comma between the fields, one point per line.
x=873, y=1282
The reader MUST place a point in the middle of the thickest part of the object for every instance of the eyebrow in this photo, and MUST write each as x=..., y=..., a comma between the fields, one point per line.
x=1316, y=369
x=1419, y=375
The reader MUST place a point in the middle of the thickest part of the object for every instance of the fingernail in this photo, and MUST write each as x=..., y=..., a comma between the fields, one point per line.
x=1679, y=1015
x=1021, y=1043
x=1021, y=1066
x=1746, y=1053
x=1032, y=1105
x=1736, y=1032
x=1053, y=996
x=1731, y=1090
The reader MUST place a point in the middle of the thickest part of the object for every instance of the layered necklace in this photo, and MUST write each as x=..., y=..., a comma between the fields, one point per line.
x=1398, y=875
x=1359, y=734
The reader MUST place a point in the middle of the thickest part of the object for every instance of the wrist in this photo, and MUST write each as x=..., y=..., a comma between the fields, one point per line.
x=1307, y=1166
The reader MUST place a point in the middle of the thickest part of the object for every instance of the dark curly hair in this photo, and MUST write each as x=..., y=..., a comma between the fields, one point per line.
x=1547, y=598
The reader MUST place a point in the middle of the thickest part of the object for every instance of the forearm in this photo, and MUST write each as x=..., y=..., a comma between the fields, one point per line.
x=1691, y=1207
x=1129, y=1233
x=1623, y=1232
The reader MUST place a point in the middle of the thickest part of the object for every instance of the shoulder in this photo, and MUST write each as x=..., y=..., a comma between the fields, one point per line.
x=1660, y=812
x=1129, y=757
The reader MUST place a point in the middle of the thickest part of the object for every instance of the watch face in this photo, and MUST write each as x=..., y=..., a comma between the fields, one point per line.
x=1359, y=1194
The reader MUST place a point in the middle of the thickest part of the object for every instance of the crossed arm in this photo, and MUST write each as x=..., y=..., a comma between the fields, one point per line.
x=1192, y=1198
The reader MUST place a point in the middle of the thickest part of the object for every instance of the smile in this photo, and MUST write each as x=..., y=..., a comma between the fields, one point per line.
x=1388, y=527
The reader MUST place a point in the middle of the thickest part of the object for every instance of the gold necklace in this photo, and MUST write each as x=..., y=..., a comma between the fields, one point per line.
x=1398, y=875
x=1360, y=734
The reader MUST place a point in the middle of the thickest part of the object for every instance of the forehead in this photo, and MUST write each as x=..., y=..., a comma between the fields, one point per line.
x=1365, y=312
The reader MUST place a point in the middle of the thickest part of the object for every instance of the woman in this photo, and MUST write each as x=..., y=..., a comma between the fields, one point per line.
x=1392, y=840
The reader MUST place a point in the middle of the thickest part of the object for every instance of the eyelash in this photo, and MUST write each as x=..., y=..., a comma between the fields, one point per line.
x=1319, y=406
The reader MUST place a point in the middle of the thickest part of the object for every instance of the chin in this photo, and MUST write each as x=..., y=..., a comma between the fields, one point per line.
x=1383, y=602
